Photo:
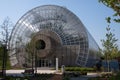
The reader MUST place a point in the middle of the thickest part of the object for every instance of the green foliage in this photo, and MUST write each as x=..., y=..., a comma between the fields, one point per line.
x=5, y=37
x=110, y=48
x=109, y=44
x=35, y=77
x=66, y=78
x=30, y=47
x=1, y=51
x=115, y=5
x=1, y=57
x=30, y=50
x=79, y=69
x=8, y=64
x=108, y=19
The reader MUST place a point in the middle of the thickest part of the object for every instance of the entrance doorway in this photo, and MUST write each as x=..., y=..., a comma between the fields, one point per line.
x=44, y=63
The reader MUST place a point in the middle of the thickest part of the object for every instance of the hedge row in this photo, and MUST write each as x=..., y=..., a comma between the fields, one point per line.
x=79, y=69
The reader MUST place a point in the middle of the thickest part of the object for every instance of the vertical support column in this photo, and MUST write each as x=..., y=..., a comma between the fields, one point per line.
x=56, y=64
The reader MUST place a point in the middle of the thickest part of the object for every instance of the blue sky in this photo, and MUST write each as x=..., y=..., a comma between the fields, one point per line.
x=90, y=12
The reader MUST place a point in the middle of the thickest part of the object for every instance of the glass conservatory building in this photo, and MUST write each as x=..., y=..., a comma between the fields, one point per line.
x=49, y=32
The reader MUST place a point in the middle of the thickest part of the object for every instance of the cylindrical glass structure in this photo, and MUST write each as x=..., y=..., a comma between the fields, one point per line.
x=51, y=32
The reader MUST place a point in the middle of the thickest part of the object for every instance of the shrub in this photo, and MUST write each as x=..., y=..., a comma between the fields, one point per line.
x=79, y=69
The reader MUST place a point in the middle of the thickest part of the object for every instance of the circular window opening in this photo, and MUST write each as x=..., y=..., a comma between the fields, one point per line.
x=40, y=44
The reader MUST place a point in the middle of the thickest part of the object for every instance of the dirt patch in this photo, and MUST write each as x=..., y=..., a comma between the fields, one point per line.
x=56, y=77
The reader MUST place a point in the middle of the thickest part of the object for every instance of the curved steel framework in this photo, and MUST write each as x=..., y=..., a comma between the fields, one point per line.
x=63, y=34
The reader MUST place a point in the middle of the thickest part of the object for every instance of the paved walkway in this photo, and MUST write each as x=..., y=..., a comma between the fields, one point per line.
x=19, y=72
x=79, y=78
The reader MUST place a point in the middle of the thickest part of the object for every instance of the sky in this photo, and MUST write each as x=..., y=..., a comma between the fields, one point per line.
x=90, y=12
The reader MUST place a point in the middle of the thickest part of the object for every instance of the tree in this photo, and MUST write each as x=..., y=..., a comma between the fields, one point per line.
x=115, y=5
x=1, y=51
x=109, y=45
x=110, y=48
x=5, y=36
x=30, y=50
